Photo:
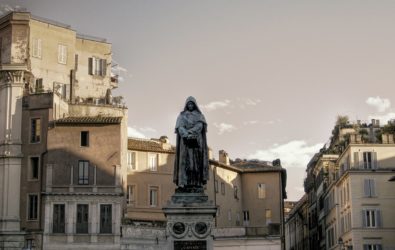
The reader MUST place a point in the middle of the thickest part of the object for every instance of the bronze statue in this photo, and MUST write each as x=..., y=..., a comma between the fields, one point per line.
x=191, y=163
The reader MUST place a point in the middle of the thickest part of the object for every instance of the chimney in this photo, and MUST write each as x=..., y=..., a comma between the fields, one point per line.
x=390, y=138
x=164, y=139
x=353, y=138
x=223, y=157
x=384, y=138
x=165, y=142
x=210, y=154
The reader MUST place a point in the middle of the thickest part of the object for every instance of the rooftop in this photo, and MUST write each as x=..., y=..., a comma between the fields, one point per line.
x=89, y=120
x=149, y=145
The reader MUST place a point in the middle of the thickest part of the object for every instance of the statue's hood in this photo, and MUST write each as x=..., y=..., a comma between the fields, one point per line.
x=191, y=99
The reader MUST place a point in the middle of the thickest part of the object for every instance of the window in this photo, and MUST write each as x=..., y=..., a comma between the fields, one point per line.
x=130, y=195
x=83, y=172
x=62, y=54
x=153, y=196
x=82, y=218
x=330, y=236
x=268, y=216
x=371, y=218
x=235, y=192
x=222, y=188
x=246, y=217
x=35, y=130
x=97, y=66
x=30, y=244
x=367, y=160
x=36, y=48
x=372, y=247
x=84, y=138
x=229, y=215
x=58, y=218
x=62, y=90
x=369, y=188
x=34, y=168
x=131, y=160
x=38, y=87
x=153, y=162
x=32, y=207
x=106, y=219
x=261, y=191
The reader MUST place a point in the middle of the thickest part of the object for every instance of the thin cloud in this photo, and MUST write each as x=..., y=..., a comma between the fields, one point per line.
x=133, y=132
x=295, y=153
x=254, y=122
x=224, y=128
x=244, y=102
x=250, y=122
x=252, y=102
x=147, y=129
x=5, y=8
x=216, y=105
x=381, y=104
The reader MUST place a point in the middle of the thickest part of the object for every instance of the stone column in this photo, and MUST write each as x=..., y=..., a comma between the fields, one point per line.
x=11, y=94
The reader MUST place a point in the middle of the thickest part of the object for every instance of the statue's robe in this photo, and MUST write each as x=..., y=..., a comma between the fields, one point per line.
x=191, y=164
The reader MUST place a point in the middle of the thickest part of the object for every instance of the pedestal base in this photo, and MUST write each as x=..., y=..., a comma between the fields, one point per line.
x=190, y=222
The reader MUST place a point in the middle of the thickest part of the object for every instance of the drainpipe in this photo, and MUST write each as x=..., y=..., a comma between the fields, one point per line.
x=215, y=193
x=282, y=234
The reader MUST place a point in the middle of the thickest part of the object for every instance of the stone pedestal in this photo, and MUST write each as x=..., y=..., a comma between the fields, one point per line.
x=190, y=222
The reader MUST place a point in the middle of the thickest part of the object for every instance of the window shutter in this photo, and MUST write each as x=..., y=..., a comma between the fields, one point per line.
x=104, y=67
x=364, y=222
x=59, y=53
x=374, y=160
x=361, y=162
x=365, y=247
x=76, y=62
x=90, y=65
x=372, y=187
x=378, y=218
x=356, y=159
x=366, y=189
x=39, y=48
x=378, y=247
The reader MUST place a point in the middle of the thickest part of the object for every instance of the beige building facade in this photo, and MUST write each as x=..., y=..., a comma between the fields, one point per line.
x=248, y=194
x=348, y=189
x=149, y=179
x=62, y=182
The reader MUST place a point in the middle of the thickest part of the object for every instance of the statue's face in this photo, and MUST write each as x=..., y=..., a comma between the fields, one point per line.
x=190, y=106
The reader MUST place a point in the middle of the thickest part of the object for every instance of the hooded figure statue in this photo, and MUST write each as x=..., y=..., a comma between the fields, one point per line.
x=191, y=163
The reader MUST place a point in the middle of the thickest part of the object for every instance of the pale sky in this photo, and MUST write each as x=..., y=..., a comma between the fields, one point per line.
x=270, y=76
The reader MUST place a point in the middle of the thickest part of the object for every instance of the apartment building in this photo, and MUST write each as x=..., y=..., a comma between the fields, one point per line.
x=348, y=190
x=63, y=138
x=248, y=194
x=150, y=164
x=296, y=229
